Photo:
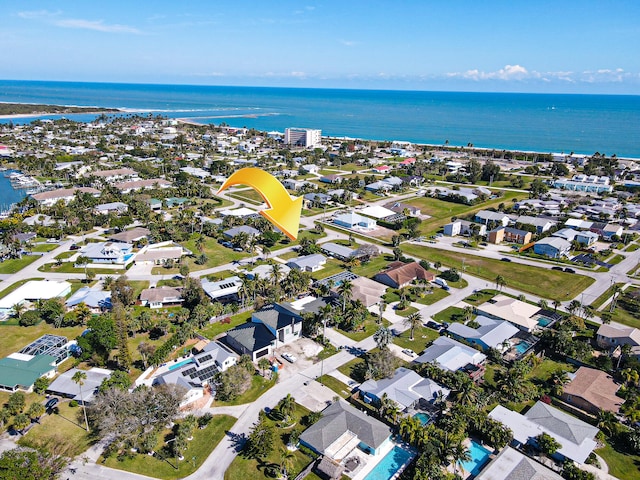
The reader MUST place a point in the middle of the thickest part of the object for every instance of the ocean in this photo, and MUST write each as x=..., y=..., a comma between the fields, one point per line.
x=8, y=195
x=583, y=124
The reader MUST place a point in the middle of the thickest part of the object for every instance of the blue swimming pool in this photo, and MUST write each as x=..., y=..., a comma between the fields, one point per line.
x=522, y=347
x=544, y=321
x=390, y=464
x=127, y=257
x=423, y=417
x=479, y=457
x=180, y=364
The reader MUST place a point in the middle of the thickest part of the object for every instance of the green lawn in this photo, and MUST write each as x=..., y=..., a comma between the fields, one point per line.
x=370, y=268
x=216, y=253
x=14, y=265
x=350, y=365
x=212, y=330
x=632, y=247
x=480, y=297
x=203, y=443
x=436, y=295
x=621, y=465
x=287, y=255
x=616, y=259
x=65, y=255
x=449, y=315
x=547, y=368
x=44, y=247
x=65, y=426
x=370, y=327
x=259, y=385
x=597, y=303
x=334, y=384
x=625, y=317
x=14, y=337
x=542, y=282
x=248, y=195
x=68, y=267
x=406, y=312
x=330, y=268
x=422, y=337
x=243, y=468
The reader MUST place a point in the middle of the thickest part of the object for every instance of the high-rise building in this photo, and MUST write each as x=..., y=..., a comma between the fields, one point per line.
x=303, y=137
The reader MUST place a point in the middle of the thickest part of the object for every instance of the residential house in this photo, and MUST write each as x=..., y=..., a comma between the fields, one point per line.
x=96, y=300
x=109, y=252
x=492, y=218
x=331, y=179
x=404, y=208
x=553, y=247
x=592, y=390
x=222, y=290
x=270, y=328
x=490, y=334
x=399, y=274
x=615, y=336
x=406, y=388
x=541, y=224
x=510, y=464
x=522, y=314
x=510, y=235
x=115, y=175
x=586, y=238
x=232, y=232
x=32, y=291
x=310, y=168
x=378, y=212
x=133, y=185
x=584, y=183
x=576, y=438
x=567, y=234
x=343, y=428
x=130, y=236
x=353, y=220
x=464, y=227
x=308, y=263
x=451, y=355
x=50, y=198
x=113, y=207
x=64, y=386
x=367, y=291
x=160, y=297
x=158, y=255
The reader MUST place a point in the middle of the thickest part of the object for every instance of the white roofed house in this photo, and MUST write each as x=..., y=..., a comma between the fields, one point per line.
x=452, y=355
x=31, y=291
x=553, y=247
x=52, y=197
x=492, y=218
x=96, y=300
x=222, y=289
x=114, y=207
x=133, y=185
x=490, y=334
x=109, y=252
x=523, y=315
x=308, y=263
x=353, y=220
x=541, y=224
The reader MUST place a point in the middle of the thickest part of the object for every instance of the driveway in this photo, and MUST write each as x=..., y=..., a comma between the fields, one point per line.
x=305, y=351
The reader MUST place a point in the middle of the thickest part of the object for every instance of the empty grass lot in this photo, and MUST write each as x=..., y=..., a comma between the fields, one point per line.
x=621, y=465
x=212, y=330
x=334, y=384
x=203, y=443
x=542, y=282
x=14, y=265
x=422, y=337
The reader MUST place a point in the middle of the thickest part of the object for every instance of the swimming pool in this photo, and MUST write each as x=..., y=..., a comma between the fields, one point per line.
x=544, y=321
x=423, y=417
x=522, y=347
x=180, y=364
x=391, y=464
x=127, y=257
x=479, y=457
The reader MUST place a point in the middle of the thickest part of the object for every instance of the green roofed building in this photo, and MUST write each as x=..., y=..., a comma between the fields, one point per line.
x=19, y=371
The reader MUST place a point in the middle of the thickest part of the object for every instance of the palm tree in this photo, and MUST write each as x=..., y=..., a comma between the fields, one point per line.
x=79, y=377
x=35, y=411
x=287, y=458
x=381, y=307
x=607, y=422
x=412, y=321
x=345, y=290
x=264, y=364
x=500, y=282
x=468, y=313
x=543, y=304
x=558, y=380
x=18, y=309
x=286, y=406
x=556, y=304
x=383, y=337
x=200, y=243
x=460, y=454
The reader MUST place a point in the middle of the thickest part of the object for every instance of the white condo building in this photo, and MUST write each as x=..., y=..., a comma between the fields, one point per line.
x=304, y=137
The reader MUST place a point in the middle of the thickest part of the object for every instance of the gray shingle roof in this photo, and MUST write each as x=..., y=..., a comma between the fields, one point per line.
x=339, y=417
x=252, y=336
x=560, y=423
x=277, y=316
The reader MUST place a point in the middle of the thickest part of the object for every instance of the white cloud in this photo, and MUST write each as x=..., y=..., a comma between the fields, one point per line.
x=349, y=43
x=509, y=72
x=96, y=25
x=31, y=14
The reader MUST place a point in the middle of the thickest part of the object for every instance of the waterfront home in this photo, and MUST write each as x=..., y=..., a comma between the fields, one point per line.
x=160, y=297
x=270, y=327
x=451, y=355
x=576, y=438
x=108, y=252
x=553, y=247
x=308, y=263
x=400, y=274
x=490, y=333
x=343, y=428
x=406, y=388
x=592, y=390
x=50, y=198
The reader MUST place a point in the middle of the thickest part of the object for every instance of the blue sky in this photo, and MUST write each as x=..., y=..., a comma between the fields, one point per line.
x=490, y=45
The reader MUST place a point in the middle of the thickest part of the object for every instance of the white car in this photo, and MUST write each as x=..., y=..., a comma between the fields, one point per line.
x=289, y=357
x=411, y=353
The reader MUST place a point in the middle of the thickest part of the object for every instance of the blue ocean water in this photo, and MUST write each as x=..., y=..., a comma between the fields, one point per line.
x=8, y=195
x=532, y=122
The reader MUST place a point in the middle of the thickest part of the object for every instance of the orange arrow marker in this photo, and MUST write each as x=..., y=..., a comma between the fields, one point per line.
x=283, y=212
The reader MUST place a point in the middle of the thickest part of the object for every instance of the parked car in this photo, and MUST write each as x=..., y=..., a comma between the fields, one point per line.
x=569, y=270
x=74, y=247
x=51, y=403
x=434, y=325
x=409, y=352
x=505, y=259
x=289, y=357
x=557, y=268
x=237, y=249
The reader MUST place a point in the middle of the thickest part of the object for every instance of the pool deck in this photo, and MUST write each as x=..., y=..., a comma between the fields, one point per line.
x=373, y=460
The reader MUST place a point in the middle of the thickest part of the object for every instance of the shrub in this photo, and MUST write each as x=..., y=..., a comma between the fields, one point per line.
x=73, y=403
